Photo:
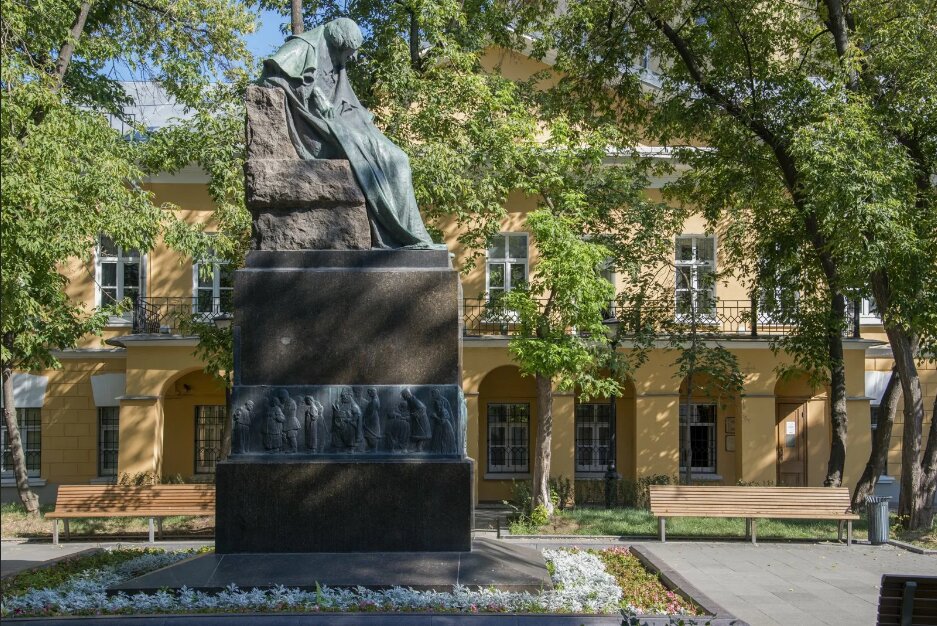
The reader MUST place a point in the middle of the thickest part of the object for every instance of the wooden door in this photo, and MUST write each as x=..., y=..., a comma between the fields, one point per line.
x=792, y=444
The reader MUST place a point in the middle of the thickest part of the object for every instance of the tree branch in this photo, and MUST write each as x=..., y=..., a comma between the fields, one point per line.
x=68, y=48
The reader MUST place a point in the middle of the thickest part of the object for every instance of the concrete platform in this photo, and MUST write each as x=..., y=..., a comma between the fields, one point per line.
x=490, y=563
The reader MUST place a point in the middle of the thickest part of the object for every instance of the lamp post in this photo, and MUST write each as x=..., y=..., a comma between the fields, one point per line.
x=613, y=332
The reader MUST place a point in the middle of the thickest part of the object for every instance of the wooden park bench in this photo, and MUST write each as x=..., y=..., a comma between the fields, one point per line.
x=752, y=503
x=152, y=501
x=907, y=601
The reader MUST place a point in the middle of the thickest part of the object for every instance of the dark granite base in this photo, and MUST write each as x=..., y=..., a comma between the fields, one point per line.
x=490, y=563
x=343, y=325
x=282, y=505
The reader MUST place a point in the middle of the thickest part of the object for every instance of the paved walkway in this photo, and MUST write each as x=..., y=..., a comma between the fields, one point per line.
x=19, y=555
x=776, y=583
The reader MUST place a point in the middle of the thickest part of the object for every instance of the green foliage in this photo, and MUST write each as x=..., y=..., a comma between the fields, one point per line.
x=138, y=479
x=643, y=589
x=626, y=492
x=62, y=571
x=562, y=492
x=68, y=175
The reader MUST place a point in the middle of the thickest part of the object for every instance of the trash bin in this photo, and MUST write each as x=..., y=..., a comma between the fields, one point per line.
x=877, y=509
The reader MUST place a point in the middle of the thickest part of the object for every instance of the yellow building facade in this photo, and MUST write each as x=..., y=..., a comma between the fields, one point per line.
x=137, y=400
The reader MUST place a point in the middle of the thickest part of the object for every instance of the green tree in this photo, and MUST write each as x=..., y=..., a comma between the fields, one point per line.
x=68, y=176
x=820, y=118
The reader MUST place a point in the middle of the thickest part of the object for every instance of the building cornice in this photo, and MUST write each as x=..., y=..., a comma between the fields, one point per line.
x=90, y=353
x=153, y=340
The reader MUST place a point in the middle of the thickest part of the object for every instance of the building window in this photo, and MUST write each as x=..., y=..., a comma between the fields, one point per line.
x=213, y=282
x=209, y=420
x=507, y=264
x=30, y=424
x=868, y=312
x=695, y=264
x=593, y=437
x=702, y=437
x=119, y=273
x=108, y=433
x=508, y=438
x=876, y=411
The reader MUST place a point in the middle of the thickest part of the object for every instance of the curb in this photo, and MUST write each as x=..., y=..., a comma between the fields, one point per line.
x=910, y=547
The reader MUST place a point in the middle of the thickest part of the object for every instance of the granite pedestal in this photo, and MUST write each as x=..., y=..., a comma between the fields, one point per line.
x=342, y=505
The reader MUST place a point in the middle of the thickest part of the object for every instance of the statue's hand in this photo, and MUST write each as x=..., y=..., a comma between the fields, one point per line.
x=327, y=111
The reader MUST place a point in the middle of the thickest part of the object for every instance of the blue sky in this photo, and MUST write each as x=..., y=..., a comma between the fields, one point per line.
x=269, y=34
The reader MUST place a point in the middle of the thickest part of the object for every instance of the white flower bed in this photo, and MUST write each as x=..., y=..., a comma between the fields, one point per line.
x=582, y=586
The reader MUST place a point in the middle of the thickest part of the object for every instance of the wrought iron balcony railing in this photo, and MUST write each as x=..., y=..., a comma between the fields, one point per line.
x=483, y=317
x=738, y=318
x=168, y=316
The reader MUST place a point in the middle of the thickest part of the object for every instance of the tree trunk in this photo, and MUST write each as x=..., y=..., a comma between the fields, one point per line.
x=27, y=497
x=296, y=16
x=878, y=457
x=541, y=488
x=414, y=39
x=838, y=417
x=687, y=449
x=929, y=473
x=68, y=48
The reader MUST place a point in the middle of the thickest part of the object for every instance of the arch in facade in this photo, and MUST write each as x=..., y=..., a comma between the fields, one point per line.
x=193, y=413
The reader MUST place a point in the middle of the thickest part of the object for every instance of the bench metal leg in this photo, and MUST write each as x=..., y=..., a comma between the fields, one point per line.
x=159, y=528
x=55, y=532
x=849, y=532
x=754, y=531
x=839, y=530
x=152, y=531
x=748, y=527
x=662, y=529
x=907, y=603
x=68, y=534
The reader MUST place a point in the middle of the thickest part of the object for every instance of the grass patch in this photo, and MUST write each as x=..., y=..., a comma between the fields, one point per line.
x=65, y=569
x=642, y=590
x=15, y=523
x=640, y=523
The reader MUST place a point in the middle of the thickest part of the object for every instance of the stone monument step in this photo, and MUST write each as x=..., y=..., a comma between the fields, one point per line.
x=491, y=563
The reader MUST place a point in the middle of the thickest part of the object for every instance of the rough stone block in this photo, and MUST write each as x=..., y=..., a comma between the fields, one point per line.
x=323, y=506
x=306, y=205
x=267, y=132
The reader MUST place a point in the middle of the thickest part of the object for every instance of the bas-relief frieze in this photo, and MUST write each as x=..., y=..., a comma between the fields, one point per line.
x=340, y=420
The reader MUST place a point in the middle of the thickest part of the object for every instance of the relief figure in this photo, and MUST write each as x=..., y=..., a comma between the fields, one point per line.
x=372, y=421
x=420, y=430
x=443, y=436
x=273, y=426
x=347, y=432
x=242, y=428
x=313, y=424
x=398, y=429
x=291, y=424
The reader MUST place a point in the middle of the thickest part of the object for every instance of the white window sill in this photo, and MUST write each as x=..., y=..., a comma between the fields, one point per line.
x=34, y=481
x=885, y=479
x=506, y=476
x=590, y=476
x=103, y=480
x=707, y=476
x=119, y=322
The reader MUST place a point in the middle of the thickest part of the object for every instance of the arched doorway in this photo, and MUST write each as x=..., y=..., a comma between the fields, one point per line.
x=193, y=417
x=507, y=409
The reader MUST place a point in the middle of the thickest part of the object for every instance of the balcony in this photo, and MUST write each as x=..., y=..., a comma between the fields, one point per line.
x=168, y=316
x=723, y=318
x=485, y=318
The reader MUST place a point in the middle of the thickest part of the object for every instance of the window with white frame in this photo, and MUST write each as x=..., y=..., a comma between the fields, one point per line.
x=119, y=272
x=593, y=437
x=29, y=421
x=695, y=264
x=507, y=264
x=868, y=312
x=702, y=437
x=209, y=420
x=508, y=438
x=108, y=438
x=213, y=283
